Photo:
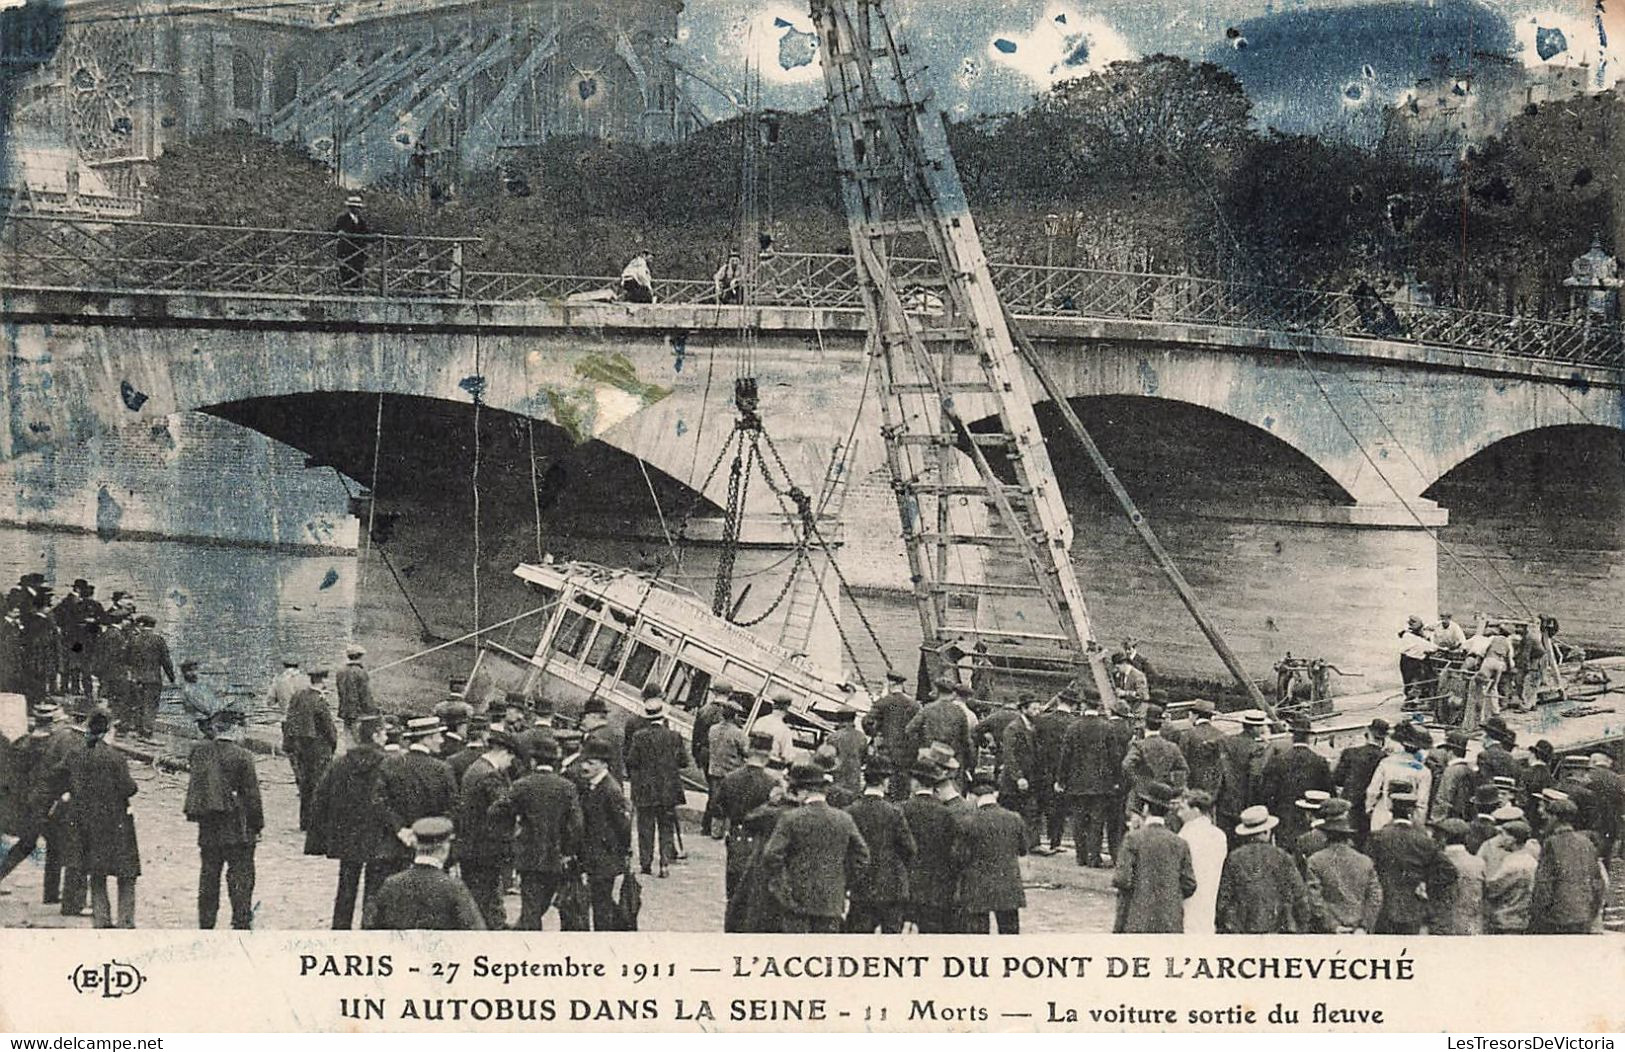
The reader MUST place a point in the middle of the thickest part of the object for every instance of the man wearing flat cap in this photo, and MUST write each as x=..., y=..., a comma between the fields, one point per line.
x=776, y=721
x=354, y=688
x=887, y=723
x=548, y=811
x=1154, y=874
x=654, y=763
x=700, y=740
x=810, y=853
x=147, y=657
x=1509, y=878
x=1569, y=889
x=741, y=793
x=309, y=739
x=606, y=837
x=1408, y=861
x=1345, y=896
x=1462, y=911
x=346, y=823
x=412, y=784
x=1608, y=799
x=726, y=753
x=425, y=897
x=485, y=845
x=223, y=798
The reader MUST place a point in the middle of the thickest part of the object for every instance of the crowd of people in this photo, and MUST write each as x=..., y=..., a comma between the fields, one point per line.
x=916, y=815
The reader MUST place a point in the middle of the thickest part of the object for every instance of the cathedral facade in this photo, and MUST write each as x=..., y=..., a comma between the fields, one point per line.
x=379, y=89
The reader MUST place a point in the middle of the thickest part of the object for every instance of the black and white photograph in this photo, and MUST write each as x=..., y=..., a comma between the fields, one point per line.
x=880, y=467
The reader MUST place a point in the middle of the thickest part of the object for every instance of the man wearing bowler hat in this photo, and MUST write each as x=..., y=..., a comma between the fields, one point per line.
x=933, y=881
x=1154, y=875
x=741, y=793
x=1412, y=866
x=425, y=897
x=485, y=844
x=1345, y=896
x=1288, y=774
x=879, y=892
x=606, y=839
x=810, y=853
x=1260, y=891
x=346, y=823
x=549, y=839
x=412, y=784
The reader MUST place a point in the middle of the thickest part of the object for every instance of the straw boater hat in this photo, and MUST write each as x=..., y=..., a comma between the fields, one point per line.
x=1313, y=799
x=1255, y=820
x=421, y=727
x=1255, y=718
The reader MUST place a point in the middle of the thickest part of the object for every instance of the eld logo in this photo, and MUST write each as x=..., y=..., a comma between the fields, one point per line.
x=110, y=980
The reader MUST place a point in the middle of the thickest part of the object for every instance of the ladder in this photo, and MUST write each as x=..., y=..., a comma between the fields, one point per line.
x=966, y=496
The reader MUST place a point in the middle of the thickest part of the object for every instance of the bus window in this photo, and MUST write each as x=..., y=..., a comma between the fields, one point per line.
x=605, y=652
x=687, y=686
x=642, y=667
x=572, y=634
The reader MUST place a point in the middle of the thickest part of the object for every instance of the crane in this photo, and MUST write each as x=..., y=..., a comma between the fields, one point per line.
x=968, y=498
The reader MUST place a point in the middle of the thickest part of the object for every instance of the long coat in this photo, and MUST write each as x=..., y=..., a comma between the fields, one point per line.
x=1568, y=883
x=1018, y=759
x=655, y=763
x=223, y=795
x=101, y=838
x=850, y=745
x=480, y=840
x=887, y=721
x=1243, y=767
x=411, y=785
x=422, y=898
x=1344, y=891
x=606, y=837
x=1153, y=878
x=1406, y=859
x=550, y=825
x=346, y=822
x=891, y=851
x=988, y=843
x=944, y=721
x=1260, y=892
x=1204, y=757
x=808, y=858
x=354, y=689
x=1288, y=774
x=741, y=793
x=1090, y=760
x=933, y=880
x=147, y=657
x=308, y=728
x=1154, y=759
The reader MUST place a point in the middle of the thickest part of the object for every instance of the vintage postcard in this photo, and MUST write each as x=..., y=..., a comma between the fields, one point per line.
x=552, y=514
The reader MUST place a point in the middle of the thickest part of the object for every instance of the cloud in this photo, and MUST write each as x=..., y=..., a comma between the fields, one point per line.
x=1061, y=45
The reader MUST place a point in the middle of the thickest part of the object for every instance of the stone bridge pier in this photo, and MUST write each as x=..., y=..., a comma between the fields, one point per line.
x=1316, y=490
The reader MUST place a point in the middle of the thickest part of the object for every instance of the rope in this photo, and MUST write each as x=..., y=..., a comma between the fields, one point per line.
x=671, y=545
x=390, y=565
x=465, y=637
x=1303, y=360
x=372, y=503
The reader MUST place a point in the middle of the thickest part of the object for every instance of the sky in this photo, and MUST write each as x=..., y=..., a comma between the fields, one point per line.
x=1305, y=63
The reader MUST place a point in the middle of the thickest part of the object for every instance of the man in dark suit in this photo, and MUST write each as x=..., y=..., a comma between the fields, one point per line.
x=1088, y=777
x=1408, y=859
x=740, y=793
x=879, y=891
x=606, y=832
x=851, y=745
x=1351, y=776
x=1021, y=770
x=1201, y=746
x=945, y=720
x=1260, y=889
x=988, y=844
x=709, y=715
x=1153, y=758
x=146, y=655
x=351, y=245
x=101, y=830
x=40, y=756
x=1154, y=875
x=550, y=827
x=1244, y=756
x=348, y=826
x=1050, y=729
x=1569, y=884
x=425, y=897
x=1608, y=792
x=1288, y=774
x=223, y=798
x=412, y=784
x=309, y=738
x=886, y=723
x=654, y=763
x=354, y=688
x=454, y=714
x=484, y=844
x=933, y=880
x=810, y=853
x=1496, y=756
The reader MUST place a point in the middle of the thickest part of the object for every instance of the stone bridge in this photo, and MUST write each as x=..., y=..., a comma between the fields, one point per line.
x=1321, y=467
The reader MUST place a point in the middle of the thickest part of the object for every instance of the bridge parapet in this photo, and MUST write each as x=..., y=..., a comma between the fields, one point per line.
x=121, y=256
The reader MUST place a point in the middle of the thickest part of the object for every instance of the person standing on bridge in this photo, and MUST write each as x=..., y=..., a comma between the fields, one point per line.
x=352, y=231
x=637, y=281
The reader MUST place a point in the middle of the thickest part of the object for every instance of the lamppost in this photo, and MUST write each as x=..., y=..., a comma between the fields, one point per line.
x=1052, y=230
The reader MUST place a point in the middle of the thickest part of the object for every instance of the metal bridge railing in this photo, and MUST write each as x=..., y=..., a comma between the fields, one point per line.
x=111, y=255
